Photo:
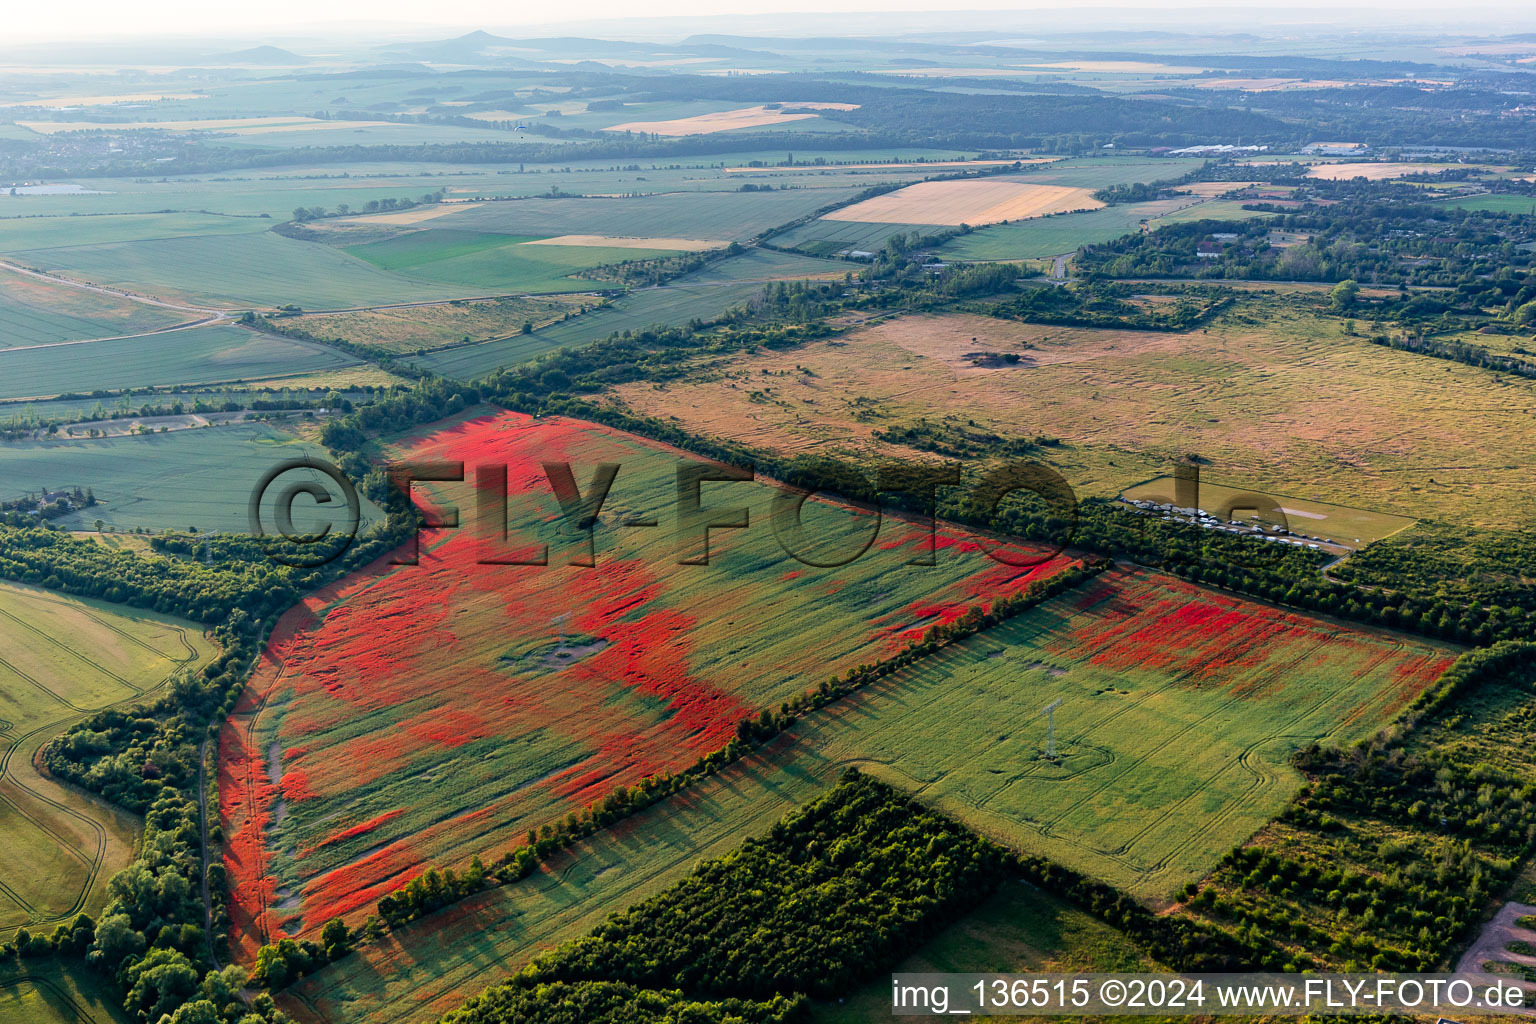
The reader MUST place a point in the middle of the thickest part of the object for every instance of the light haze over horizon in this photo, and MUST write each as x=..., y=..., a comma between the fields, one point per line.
x=181, y=21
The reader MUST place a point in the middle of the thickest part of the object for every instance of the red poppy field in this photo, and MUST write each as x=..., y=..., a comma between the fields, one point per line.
x=1180, y=708
x=420, y=714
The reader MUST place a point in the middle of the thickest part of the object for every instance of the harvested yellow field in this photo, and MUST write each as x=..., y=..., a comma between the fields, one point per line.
x=102, y=101
x=416, y=216
x=1370, y=171
x=1215, y=189
x=726, y=120
x=628, y=242
x=967, y=202
x=893, y=167
x=233, y=126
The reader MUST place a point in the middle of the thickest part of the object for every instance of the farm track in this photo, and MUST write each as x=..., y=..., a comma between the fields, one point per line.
x=82, y=1015
x=115, y=293
x=188, y=325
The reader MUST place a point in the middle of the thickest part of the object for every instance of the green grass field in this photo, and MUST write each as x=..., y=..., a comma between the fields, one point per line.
x=1107, y=171
x=18, y=234
x=239, y=272
x=45, y=991
x=702, y=295
x=493, y=263
x=201, y=477
x=725, y=216
x=200, y=355
x=34, y=311
x=1181, y=709
x=1493, y=203
x=60, y=659
x=825, y=237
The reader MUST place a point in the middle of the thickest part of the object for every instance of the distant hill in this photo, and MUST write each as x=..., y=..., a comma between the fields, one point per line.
x=260, y=55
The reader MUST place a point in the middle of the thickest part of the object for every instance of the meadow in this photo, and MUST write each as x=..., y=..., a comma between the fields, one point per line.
x=702, y=295
x=355, y=759
x=35, y=311
x=417, y=328
x=1264, y=394
x=200, y=478
x=62, y=658
x=199, y=355
x=1172, y=745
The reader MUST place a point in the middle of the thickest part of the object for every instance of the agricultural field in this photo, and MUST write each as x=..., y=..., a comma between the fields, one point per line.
x=702, y=295
x=487, y=262
x=1371, y=171
x=1494, y=203
x=966, y=202
x=1055, y=236
x=199, y=478
x=199, y=355
x=335, y=766
x=245, y=271
x=1264, y=397
x=62, y=658
x=36, y=311
x=20, y=234
x=760, y=116
x=1168, y=742
x=49, y=993
x=822, y=237
x=416, y=329
x=723, y=216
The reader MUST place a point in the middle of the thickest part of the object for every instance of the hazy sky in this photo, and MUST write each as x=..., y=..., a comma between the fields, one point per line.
x=291, y=19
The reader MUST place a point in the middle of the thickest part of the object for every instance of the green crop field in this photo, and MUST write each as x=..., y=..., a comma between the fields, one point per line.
x=487, y=262
x=34, y=311
x=1106, y=172
x=60, y=659
x=199, y=355
x=1494, y=203
x=183, y=478
x=48, y=991
x=825, y=237
x=1163, y=766
x=18, y=234
x=724, y=216
x=703, y=295
x=239, y=271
